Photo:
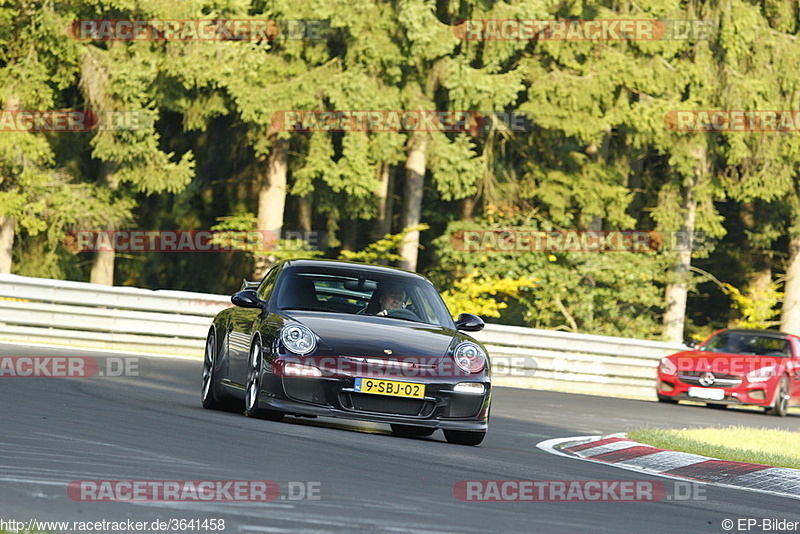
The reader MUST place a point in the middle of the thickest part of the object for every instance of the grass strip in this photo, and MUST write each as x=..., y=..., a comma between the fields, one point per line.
x=780, y=448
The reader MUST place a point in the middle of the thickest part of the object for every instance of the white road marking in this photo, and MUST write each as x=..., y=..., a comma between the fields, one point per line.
x=682, y=459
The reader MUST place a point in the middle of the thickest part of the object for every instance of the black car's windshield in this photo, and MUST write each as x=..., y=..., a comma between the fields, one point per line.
x=746, y=343
x=362, y=293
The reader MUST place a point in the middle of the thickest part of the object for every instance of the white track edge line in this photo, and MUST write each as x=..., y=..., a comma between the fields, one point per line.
x=549, y=447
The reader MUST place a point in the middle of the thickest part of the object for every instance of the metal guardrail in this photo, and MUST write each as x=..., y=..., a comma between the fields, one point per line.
x=80, y=314
x=91, y=315
x=576, y=363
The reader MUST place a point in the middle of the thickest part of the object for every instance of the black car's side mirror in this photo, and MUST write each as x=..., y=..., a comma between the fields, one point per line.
x=247, y=299
x=469, y=323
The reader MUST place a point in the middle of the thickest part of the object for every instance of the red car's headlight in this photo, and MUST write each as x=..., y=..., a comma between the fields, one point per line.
x=470, y=357
x=667, y=367
x=762, y=374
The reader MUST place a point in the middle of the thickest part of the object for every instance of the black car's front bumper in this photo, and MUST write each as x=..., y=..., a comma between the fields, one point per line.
x=442, y=407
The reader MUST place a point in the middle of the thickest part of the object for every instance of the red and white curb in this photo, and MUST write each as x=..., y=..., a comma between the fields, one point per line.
x=619, y=451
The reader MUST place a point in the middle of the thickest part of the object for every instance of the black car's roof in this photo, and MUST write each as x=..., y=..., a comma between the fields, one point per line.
x=340, y=264
x=754, y=331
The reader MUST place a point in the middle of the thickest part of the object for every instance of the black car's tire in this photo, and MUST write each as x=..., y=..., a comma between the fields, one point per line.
x=780, y=405
x=409, y=431
x=668, y=400
x=212, y=397
x=251, y=395
x=464, y=437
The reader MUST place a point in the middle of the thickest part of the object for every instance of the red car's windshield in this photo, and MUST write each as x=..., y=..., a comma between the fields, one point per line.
x=744, y=343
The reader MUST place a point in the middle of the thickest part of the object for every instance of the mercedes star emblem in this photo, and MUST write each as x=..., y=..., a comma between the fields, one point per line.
x=706, y=379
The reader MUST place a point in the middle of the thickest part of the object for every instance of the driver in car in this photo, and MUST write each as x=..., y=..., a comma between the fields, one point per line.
x=392, y=297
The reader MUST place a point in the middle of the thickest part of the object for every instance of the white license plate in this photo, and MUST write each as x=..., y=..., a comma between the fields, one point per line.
x=707, y=393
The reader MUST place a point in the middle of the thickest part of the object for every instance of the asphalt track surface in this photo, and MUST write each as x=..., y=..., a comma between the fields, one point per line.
x=57, y=430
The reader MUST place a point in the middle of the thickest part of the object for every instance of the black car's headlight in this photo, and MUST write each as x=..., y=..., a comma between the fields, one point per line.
x=298, y=339
x=470, y=357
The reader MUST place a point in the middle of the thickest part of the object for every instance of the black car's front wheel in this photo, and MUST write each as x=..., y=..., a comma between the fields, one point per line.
x=464, y=437
x=253, y=391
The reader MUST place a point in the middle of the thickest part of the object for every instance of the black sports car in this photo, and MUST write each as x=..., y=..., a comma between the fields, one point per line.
x=331, y=338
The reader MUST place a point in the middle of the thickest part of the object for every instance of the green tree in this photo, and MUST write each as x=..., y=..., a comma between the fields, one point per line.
x=39, y=200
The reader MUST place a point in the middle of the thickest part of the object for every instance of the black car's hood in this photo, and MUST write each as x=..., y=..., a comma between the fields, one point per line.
x=356, y=335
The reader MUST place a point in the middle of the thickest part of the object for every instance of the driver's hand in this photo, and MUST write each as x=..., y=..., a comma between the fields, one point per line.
x=383, y=313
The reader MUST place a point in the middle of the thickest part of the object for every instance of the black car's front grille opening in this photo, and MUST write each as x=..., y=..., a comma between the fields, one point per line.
x=384, y=404
x=464, y=406
x=304, y=389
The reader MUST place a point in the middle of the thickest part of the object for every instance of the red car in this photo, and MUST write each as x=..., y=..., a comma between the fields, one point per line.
x=735, y=367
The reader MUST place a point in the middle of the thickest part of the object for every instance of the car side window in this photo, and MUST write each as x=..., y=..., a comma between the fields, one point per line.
x=265, y=289
x=421, y=307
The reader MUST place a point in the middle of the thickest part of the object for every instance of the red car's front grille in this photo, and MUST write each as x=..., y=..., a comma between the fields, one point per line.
x=720, y=379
